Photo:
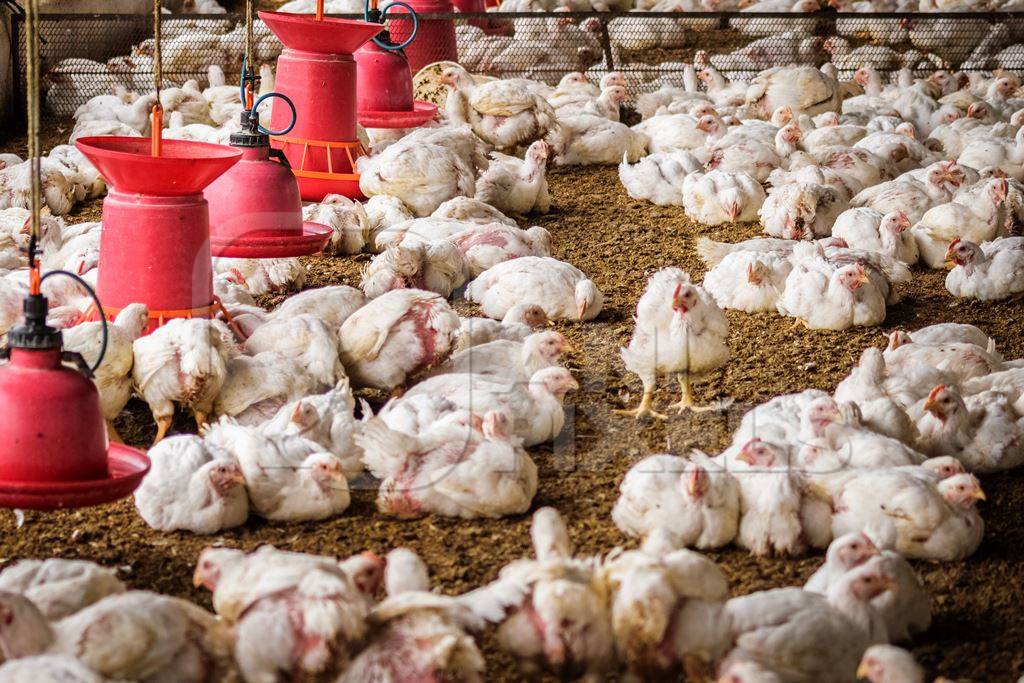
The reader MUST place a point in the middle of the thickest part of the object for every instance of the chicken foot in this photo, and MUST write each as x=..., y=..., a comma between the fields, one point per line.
x=646, y=406
x=163, y=424
x=686, y=402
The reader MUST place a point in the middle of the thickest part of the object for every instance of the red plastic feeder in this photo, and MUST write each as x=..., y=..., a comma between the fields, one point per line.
x=155, y=246
x=435, y=38
x=255, y=207
x=53, y=444
x=317, y=73
x=384, y=95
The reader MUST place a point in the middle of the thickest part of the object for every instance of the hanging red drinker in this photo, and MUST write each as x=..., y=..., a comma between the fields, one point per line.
x=384, y=87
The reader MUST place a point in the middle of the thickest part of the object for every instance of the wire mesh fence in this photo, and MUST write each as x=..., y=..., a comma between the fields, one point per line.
x=87, y=55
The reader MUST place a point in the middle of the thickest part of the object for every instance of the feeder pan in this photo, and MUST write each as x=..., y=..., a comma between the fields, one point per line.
x=317, y=73
x=53, y=444
x=255, y=207
x=384, y=96
x=155, y=244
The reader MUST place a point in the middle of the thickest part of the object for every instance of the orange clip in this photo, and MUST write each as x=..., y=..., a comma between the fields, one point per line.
x=248, y=95
x=156, y=134
x=319, y=10
x=34, y=281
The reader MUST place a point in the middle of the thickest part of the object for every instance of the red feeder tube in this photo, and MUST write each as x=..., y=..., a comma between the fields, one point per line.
x=435, y=38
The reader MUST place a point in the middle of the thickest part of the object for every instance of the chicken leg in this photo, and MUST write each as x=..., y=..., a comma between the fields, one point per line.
x=163, y=424
x=685, y=401
x=646, y=406
x=201, y=418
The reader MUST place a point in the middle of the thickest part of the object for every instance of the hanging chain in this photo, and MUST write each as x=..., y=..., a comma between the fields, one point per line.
x=32, y=97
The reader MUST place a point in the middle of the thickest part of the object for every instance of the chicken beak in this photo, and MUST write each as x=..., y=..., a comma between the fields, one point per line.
x=863, y=279
x=197, y=580
x=581, y=309
x=863, y=670
x=979, y=495
x=932, y=406
x=745, y=456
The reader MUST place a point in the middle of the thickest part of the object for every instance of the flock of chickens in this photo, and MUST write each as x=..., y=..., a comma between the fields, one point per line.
x=853, y=181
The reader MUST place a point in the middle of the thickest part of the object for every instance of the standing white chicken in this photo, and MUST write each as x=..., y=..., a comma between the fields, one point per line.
x=679, y=329
x=694, y=502
x=396, y=334
x=192, y=485
x=516, y=186
x=562, y=290
x=184, y=361
x=113, y=378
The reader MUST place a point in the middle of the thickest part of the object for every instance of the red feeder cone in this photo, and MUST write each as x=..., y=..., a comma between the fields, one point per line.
x=53, y=446
x=317, y=73
x=384, y=96
x=255, y=208
x=155, y=246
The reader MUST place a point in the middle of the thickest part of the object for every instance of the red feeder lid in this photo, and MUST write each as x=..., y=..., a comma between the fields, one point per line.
x=183, y=168
x=311, y=240
x=329, y=35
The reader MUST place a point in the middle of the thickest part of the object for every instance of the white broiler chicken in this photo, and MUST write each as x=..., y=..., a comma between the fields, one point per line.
x=383, y=211
x=668, y=610
x=113, y=378
x=679, y=329
x=192, y=485
x=518, y=323
x=265, y=275
x=347, y=219
x=503, y=113
x=535, y=407
x=489, y=477
x=1002, y=153
x=396, y=334
x=870, y=230
x=515, y=186
x=307, y=338
x=927, y=518
x=988, y=271
x=804, y=88
x=694, y=502
x=585, y=140
x=288, y=478
x=508, y=360
x=559, y=288
x=437, y=267
x=802, y=636
x=982, y=431
x=659, y=177
x=416, y=634
x=889, y=664
x=422, y=175
x=185, y=362
x=822, y=295
x=801, y=210
x=906, y=609
x=485, y=246
x=960, y=361
x=754, y=157
x=257, y=386
x=778, y=513
x=292, y=614
x=60, y=587
x=908, y=194
x=722, y=197
x=563, y=624
x=332, y=304
x=748, y=281
x=470, y=210
x=135, y=635
x=974, y=218
x=48, y=669
x=326, y=419
x=881, y=410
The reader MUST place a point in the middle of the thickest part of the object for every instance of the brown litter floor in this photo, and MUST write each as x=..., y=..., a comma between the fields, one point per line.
x=978, y=631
